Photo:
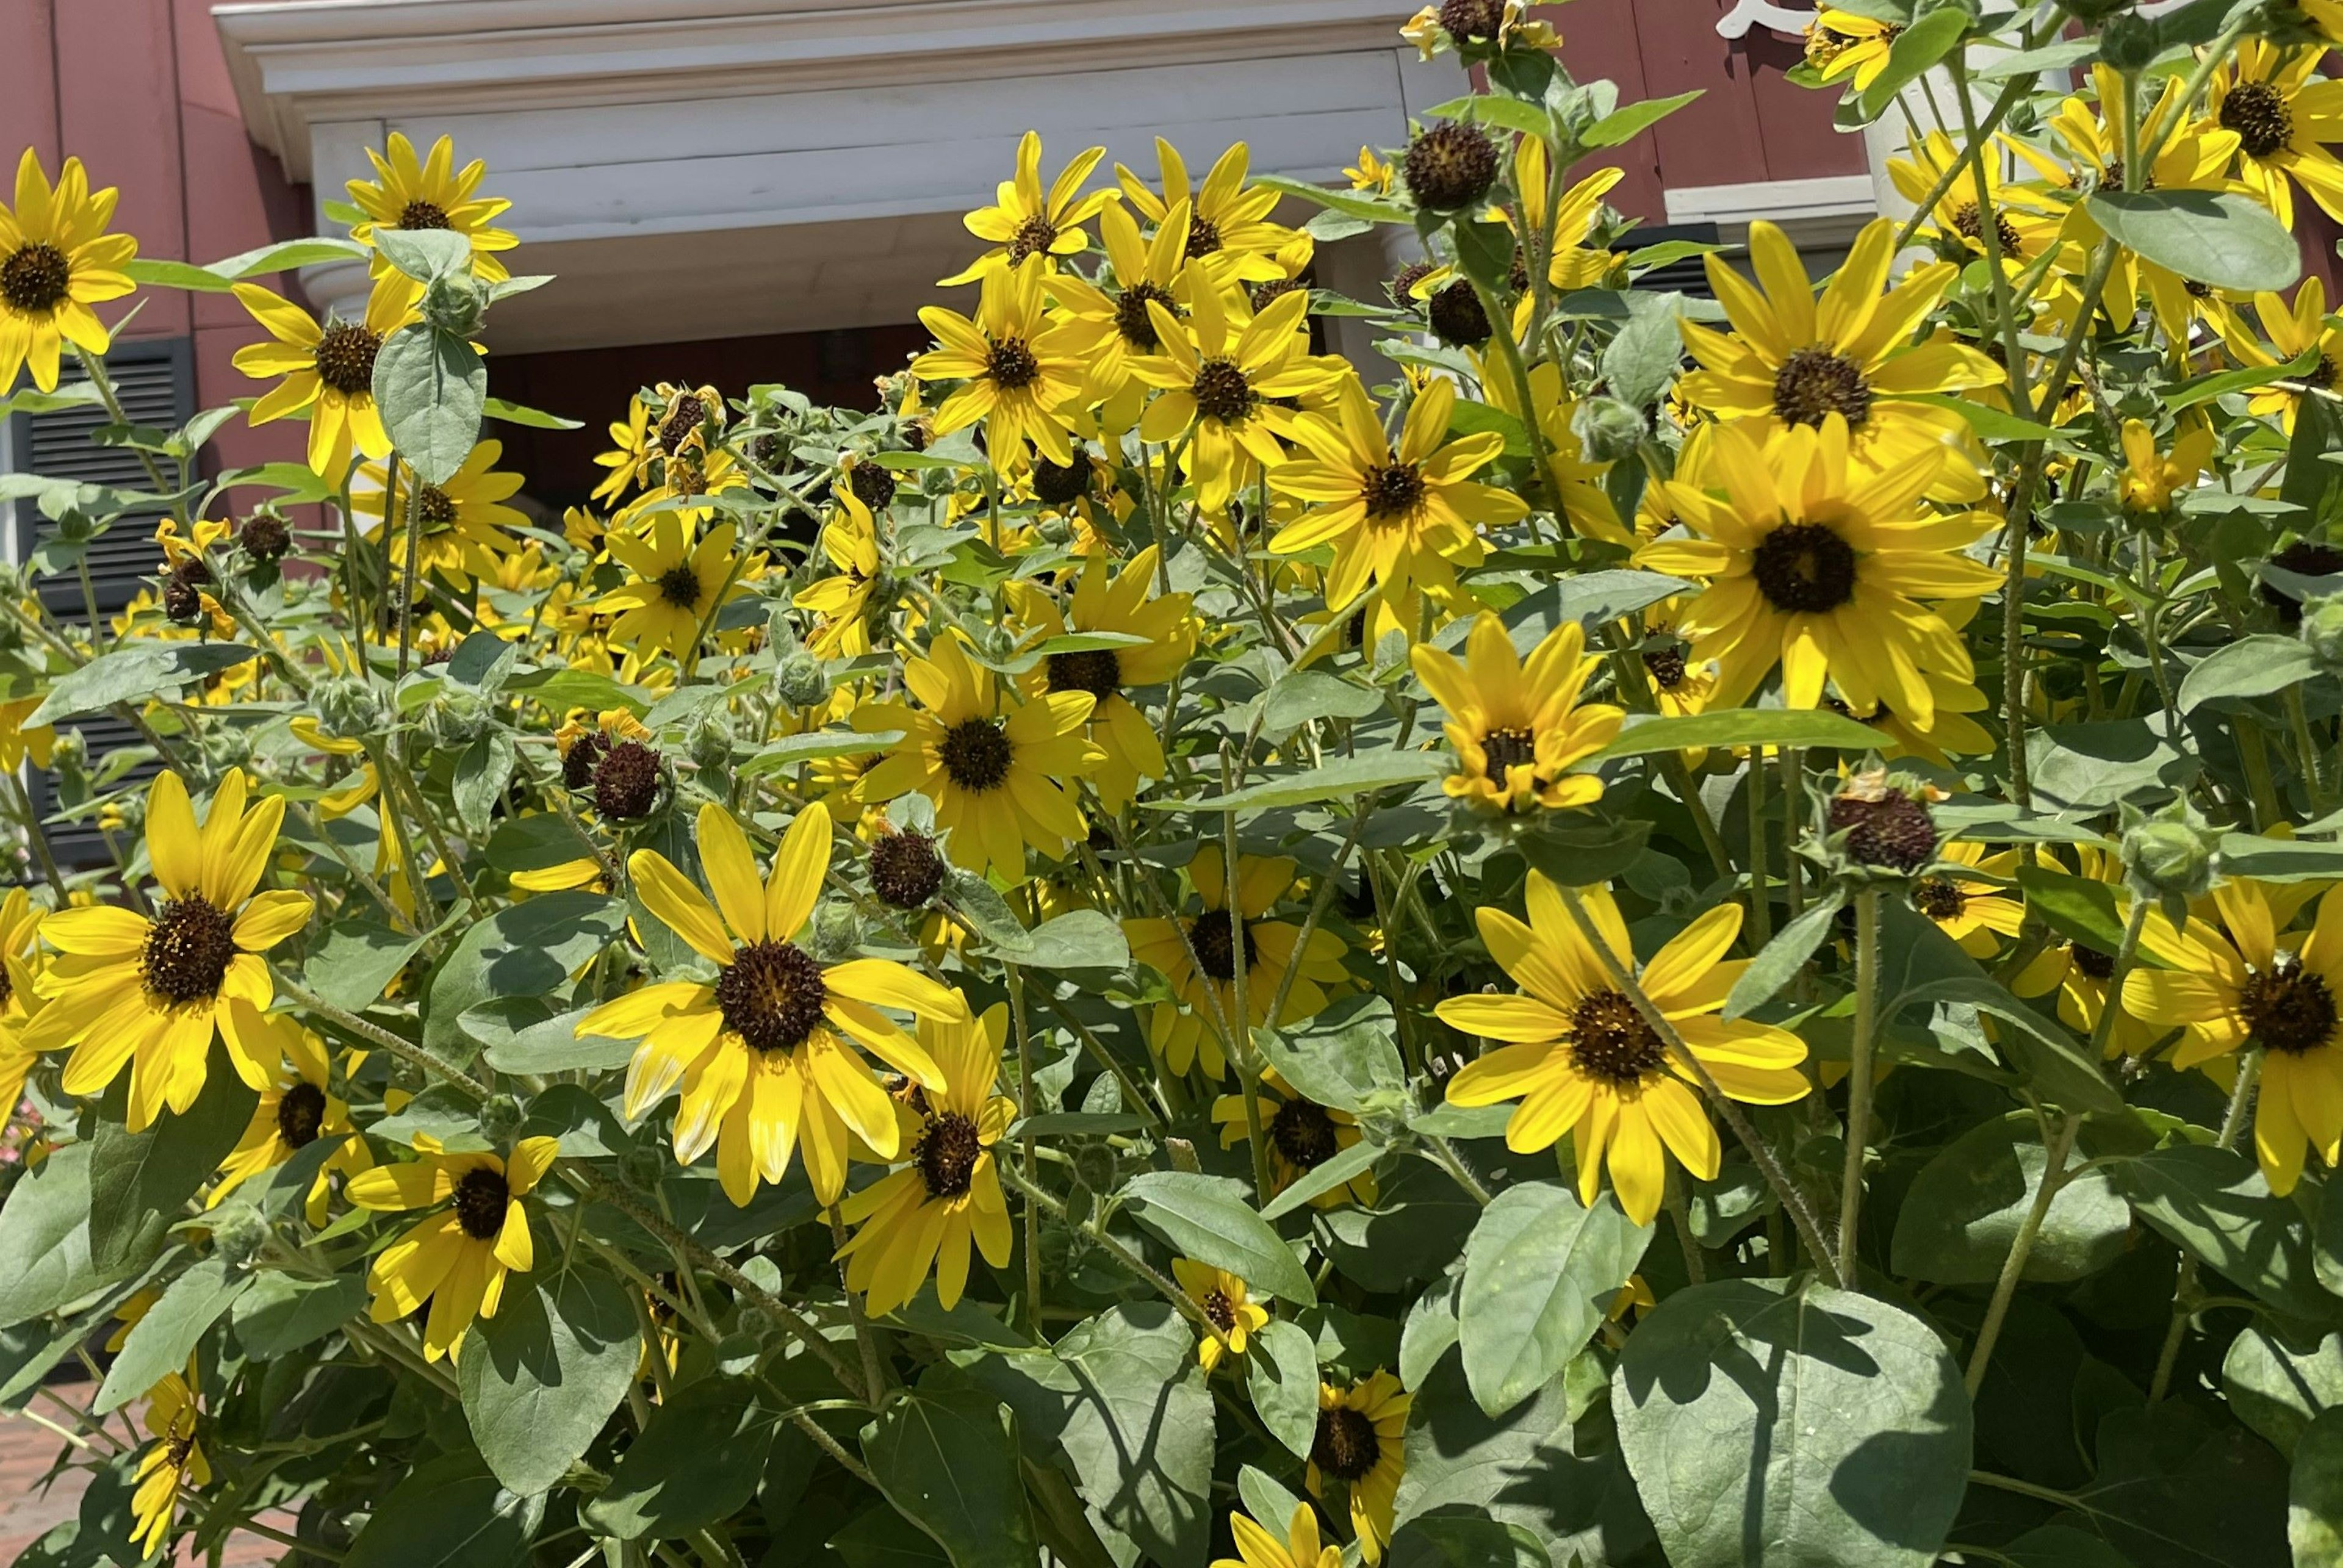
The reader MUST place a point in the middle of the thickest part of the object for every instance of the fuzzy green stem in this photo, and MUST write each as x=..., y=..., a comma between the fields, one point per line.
x=1858, y=1077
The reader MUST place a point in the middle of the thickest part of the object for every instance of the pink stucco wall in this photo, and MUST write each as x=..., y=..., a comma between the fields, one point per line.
x=138, y=90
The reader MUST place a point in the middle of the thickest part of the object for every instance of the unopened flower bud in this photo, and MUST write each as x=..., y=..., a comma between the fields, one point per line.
x=238, y=1231
x=2322, y=631
x=837, y=932
x=453, y=303
x=708, y=738
x=500, y=1119
x=799, y=681
x=455, y=717
x=1608, y=428
x=349, y=709
x=2170, y=856
x=2128, y=41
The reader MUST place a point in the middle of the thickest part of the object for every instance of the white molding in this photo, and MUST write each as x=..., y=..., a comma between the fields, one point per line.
x=1826, y=210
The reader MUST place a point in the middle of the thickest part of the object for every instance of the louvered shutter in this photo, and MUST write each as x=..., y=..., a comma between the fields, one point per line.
x=1688, y=276
x=155, y=382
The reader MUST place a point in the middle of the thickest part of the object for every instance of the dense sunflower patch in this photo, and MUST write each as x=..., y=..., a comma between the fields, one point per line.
x=1627, y=928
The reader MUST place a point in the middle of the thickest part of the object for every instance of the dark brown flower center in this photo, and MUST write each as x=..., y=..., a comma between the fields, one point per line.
x=1610, y=1041
x=626, y=781
x=578, y=763
x=35, y=278
x=873, y=486
x=1305, y=1134
x=772, y=995
x=1392, y=490
x=1203, y=237
x=2260, y=116
x=1096, y=670
x=1804, y=568
x=1132, y=319
x=1221, y=391
x=300, y=1113
x=177, y=1448
x=683, y=416
x=1012, y=365
x=1213, y=934
x=1893, y=831
x=1507, y=749
x=188, y=949
x=2100, y=965
x=1219, y=1309
x=1815, y=383
x=1034, y=236
x=438, y=510
x=679, y=585
x=685, y=474
x=1060, y=483
x=421, y=214
x=905, y=869
x=2288, y=1007
x=344, y=357
x=1346, y=1446
x=947, y=1155
x=1969, y=219
x=1939, y=899
x=482, y=1196
x=976, y=754
x=1666, y=665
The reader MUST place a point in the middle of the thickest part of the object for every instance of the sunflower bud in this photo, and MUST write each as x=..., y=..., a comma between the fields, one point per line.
x=2170, y=856
x=500, y=1119
x=452, y=302
x=1608, y=428
x=1875, y=827
x=2322, y=631
x=455, y=717
x=238, y=1231
x=641, y=1167
x=837, y=932
x=348, y=709
x=2128, y=41
x=799, y=679
x=708, y=738
x=1094, y=1166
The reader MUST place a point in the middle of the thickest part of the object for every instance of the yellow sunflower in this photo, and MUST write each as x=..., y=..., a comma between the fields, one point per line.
x=146, y=991
x=1395, y=517
x=1361, y=1444
x=1796, y=359
x=1574, y=479
x=329, y=371
x=762, y=1054
x=1001, y=781
x=1257, y=1548
x=924, y=1218
x=842, y=600
x=20, y=957
x=2151, y=478
x=2026, y=222
x=1186, y=1030
x=1573, y=263
x=2287, y=117
x=1120, y=602
x=56, y=260
x=1217, y=374
x=1017, y=369
x=1228, y=228
x=632, y=451
x=1302, y=1135
x=2079, y=972
x=1025, y=222
x=673, y=586
x=1845, y=44
x=1114, y=328
x=1821, y=567
x=2294, y=330
x=1221, y=1297
x=1516, y=724
x=1580, y=1057
x=2255, y=985
x=431, y=193
x=1680, y=684
x=463, y=520
x=1975, y=912
x=458, y=1257
x=295, y=1110
x=176, y=1460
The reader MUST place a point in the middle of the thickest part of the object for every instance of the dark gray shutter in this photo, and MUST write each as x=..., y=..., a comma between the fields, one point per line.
x=1685, y=276
x=154, y=381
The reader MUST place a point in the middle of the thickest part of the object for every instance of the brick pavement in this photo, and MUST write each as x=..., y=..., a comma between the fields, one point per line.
x=28, y=1511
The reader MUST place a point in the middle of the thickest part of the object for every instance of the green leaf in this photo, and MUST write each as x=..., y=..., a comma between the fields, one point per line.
x=1739, y=727
x=423, y=254
x=1344, y=1055
x=2080, y=909
x=1123, y=1405
x=156, y=272
x=2227, y=240
x=1079, y=940
x=696, y=1463
x=1578, y=848
x=947, y=1462
x=432, y=389
x=2314, y=1495
x=2251, y=666
x=1207, y=1218
x=1429, y=1333
x=1334, y=780
x=1639, y=363
x=282, y=1313
x=355, y=961
x=1300, y=696
x=450, y=1513
x=554, y=1045
x=482, y=772
x=134, y=671
x=1965, y=1207
x=2051, y=1062
x=520, y=414
x=882, y=1538
x=1917, y=47
x=45, y=1255
x=1768, y=1427
x=1780, y=960
x=540, y=1379
x=1511, y=114
x=2091, y=767
x=1281, y=1374
x=1623, y=126
x=1989, y=422
x=2279, y=860
x=160, y=1344
x=1550, y=1465
x=529, y=950
x=2278, y=1383
x=2221, y=383
x=1539, y=1272
x=2214, y=1205
x=1461, y=1541
x=139, y=1182
x=2174, y=1490
x=2309, y=479
x=1323, y=1177
x=795, y=749
x=2055, y=1545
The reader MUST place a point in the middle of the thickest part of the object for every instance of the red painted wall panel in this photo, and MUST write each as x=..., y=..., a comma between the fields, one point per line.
x=28, y=103
x=120, y=116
